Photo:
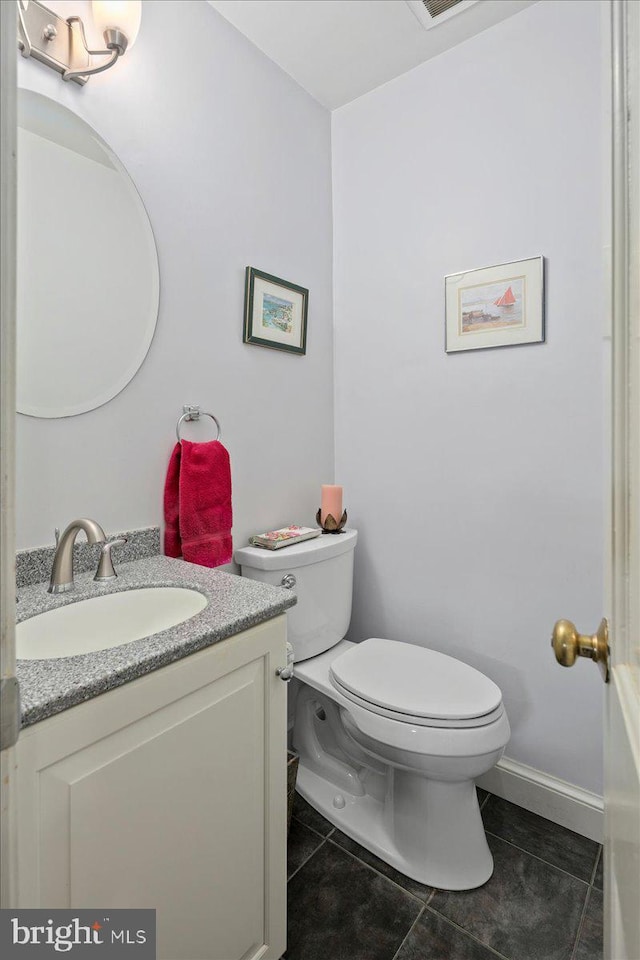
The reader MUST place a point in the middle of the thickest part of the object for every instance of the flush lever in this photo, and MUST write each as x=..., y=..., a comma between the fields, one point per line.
x=286, y=673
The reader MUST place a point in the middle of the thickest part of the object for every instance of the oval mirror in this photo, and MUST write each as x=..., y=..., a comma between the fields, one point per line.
x=88, y=279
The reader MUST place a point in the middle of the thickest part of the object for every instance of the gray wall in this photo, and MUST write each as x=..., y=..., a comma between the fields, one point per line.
x=476, y=479
x=233, y=162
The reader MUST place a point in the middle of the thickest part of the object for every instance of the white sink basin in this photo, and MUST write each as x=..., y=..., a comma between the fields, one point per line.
x=104, y=622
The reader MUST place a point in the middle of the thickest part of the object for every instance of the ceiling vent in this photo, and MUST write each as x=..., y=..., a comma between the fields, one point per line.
x=436, y=7
x=431, y=13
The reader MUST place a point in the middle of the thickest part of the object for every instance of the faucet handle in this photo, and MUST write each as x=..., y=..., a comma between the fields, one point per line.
x=105, y=569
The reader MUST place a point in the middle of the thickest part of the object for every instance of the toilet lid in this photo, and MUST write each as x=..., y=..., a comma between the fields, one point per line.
x=414, y=682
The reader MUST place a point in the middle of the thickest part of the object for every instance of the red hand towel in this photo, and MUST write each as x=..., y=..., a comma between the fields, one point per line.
x=172, y=543
x=204, y=503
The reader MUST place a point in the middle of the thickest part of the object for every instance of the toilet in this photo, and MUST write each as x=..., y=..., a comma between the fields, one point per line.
x=391, y=736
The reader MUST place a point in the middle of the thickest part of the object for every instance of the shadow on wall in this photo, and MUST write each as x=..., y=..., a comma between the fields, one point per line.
x=365, y=583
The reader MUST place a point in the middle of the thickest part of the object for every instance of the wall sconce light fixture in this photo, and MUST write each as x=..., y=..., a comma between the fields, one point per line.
x=62, y=44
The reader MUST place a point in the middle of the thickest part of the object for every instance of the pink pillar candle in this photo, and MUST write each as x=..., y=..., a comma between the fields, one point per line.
x=331, y=502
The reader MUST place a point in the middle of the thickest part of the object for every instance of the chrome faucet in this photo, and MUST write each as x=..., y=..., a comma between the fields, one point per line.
x=62, y=569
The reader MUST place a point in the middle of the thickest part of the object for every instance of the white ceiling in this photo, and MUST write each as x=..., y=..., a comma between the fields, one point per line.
x=339, y=49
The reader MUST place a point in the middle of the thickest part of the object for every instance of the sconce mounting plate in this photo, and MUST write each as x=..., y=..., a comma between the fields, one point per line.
x=60, y=47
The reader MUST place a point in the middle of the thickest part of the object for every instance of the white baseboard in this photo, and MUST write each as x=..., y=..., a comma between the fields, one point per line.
x=557, y=800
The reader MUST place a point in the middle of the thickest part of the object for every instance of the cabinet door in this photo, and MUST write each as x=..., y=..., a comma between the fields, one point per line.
x=183, y=810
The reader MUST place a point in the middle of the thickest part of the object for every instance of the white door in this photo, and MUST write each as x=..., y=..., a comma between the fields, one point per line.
x=622, y=722
x=618, y=649
x=8, y=725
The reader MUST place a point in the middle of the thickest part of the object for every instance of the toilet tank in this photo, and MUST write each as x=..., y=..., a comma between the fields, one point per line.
x=323, y=570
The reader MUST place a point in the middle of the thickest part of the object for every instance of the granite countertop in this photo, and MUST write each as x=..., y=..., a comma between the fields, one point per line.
x=235, y=603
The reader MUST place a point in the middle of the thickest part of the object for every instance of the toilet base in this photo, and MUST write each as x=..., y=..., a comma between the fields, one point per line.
x=363, y=819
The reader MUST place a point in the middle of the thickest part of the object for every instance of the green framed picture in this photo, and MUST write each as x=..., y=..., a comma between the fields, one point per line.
x=275, y=312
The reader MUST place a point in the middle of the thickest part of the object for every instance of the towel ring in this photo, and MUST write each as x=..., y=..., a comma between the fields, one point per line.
x=194, y=413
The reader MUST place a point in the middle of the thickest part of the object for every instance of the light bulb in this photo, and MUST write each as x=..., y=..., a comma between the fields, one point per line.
x=121, y=15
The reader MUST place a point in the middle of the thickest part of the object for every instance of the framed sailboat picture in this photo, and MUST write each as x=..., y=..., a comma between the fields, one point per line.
x=499, y=306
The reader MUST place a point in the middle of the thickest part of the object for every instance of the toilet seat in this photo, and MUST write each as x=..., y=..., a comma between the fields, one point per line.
x=415, y=685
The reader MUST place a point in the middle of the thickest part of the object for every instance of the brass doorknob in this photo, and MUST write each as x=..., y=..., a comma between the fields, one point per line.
x=568, y=645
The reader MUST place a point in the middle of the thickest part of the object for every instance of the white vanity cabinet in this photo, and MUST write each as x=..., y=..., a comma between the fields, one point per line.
x=168, y=792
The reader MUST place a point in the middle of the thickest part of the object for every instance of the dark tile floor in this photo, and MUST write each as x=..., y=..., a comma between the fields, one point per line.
x=543, y=902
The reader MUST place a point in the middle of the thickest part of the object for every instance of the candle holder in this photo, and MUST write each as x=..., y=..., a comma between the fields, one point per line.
x=330, y=525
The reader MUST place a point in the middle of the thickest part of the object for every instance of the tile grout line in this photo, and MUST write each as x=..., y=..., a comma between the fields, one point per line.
x=536, y=857
x=384, y=877
x=484, y=802
x=356, y=857
x=394, y=957
x=595, y=866
x=471, y=936
x=298, y=869
x=324, y=836
x=580, y=925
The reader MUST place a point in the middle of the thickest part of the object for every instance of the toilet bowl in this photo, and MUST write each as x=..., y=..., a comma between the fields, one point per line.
x=391, y=736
